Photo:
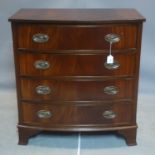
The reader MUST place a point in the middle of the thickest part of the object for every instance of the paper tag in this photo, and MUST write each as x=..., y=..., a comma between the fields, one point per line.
x=110, y=59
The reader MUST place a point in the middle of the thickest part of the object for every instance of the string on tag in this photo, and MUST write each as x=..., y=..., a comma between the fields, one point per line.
x=111, y=38
x=110, y=58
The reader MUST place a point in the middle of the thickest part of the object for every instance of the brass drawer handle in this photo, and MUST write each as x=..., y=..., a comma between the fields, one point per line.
x=41, y=64
x=112, y=38
x=112, y=66
x=40, y=38
x=111, y=90
x=109, y=114
x=43, y=90
x=44, y=114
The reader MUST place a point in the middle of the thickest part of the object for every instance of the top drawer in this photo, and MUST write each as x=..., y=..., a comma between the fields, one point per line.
x=74, y=37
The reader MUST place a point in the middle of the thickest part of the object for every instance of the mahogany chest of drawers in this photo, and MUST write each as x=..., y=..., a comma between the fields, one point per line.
x=64, y=82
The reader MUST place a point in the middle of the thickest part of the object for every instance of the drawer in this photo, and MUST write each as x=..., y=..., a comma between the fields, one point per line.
x=76, y=65
x=48, y=115
x=65, y=37
x=65, y=90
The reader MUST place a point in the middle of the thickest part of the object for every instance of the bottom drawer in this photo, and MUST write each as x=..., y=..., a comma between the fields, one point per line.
x=86, y=114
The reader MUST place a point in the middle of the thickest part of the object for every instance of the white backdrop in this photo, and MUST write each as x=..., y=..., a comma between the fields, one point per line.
x=145, y=7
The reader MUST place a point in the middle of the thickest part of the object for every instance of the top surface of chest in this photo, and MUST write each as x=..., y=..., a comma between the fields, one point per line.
x=77, y=15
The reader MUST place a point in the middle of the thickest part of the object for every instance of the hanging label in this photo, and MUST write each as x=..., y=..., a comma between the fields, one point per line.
x=110, y=59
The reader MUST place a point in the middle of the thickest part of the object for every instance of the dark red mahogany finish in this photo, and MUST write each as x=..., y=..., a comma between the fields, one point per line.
x=75, y=75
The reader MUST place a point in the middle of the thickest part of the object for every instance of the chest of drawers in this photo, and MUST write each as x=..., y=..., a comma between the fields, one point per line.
x=64, y=82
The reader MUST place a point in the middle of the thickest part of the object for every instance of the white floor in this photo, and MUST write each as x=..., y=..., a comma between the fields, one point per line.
x=99, y=144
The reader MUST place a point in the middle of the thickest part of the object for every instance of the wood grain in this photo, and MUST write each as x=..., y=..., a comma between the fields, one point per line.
x=76, y=91
x=76, y=37
x=76, y=65
x=77, y=114
x=86, y=16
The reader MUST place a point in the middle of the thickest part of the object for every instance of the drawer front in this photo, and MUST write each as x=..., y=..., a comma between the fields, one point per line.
x=50, y=37
x=57, y=90
x=75, y=65
x=48, y=115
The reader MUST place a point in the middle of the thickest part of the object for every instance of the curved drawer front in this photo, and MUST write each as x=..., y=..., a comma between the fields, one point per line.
x=50, y=37
x=76, y=90
x=48, y=115
x=75, y=65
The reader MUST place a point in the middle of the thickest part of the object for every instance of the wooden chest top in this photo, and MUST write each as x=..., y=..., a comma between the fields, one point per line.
x=77, y=15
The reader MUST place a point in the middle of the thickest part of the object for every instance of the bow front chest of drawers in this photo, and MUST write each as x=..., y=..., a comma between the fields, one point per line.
x=64, y=82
